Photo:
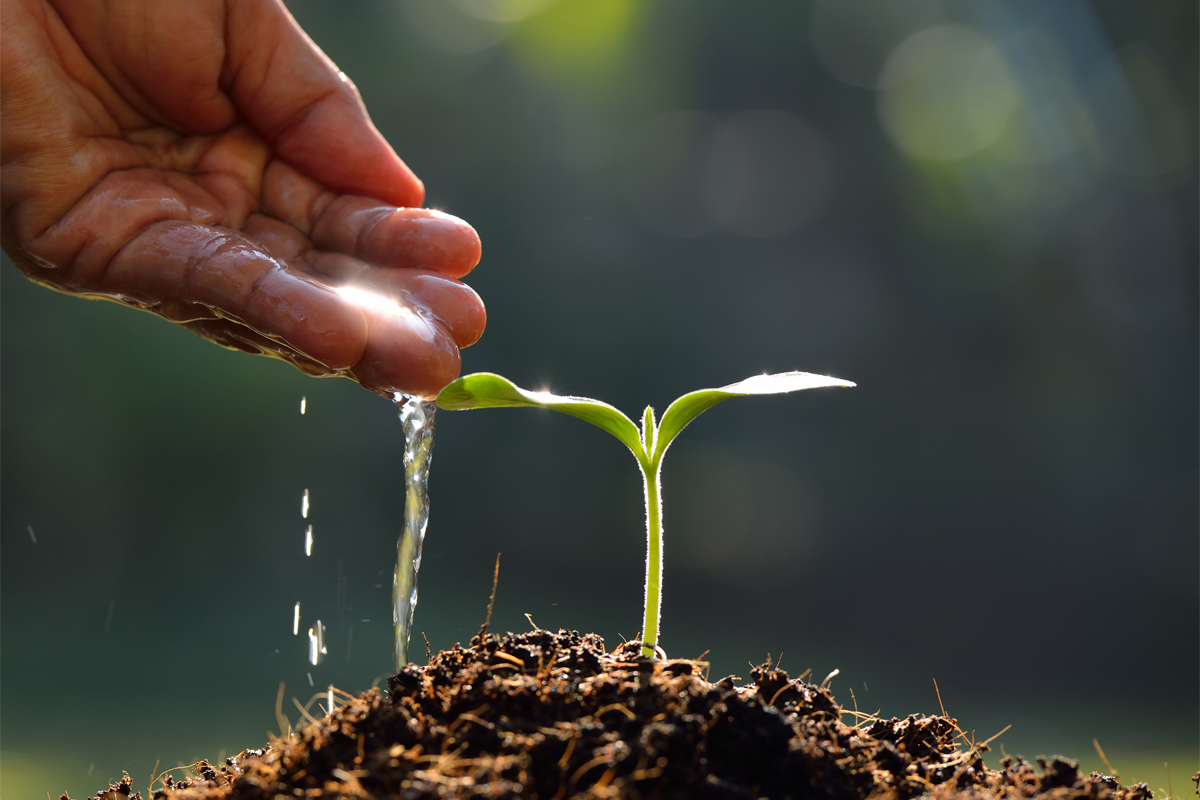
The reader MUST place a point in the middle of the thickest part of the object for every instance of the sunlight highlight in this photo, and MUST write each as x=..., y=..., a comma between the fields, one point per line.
x=369, y=300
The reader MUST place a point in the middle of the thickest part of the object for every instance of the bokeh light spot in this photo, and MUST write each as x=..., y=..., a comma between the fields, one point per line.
x=576, y=39
x=947, y=93
x=449, y=28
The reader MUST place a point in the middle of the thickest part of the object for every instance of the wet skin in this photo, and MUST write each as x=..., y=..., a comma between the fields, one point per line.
x=205, y=161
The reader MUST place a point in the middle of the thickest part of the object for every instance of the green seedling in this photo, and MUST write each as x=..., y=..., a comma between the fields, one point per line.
x=649, y=445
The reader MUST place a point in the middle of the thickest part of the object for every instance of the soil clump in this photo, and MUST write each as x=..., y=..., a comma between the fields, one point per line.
x=553, y=716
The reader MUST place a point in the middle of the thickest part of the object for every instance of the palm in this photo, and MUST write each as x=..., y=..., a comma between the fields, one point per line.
x=228, y=183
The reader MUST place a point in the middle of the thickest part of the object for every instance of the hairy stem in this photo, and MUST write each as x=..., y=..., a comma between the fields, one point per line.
x=654, y=540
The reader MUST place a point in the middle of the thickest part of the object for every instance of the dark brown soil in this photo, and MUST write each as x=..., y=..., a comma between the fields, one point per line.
x=554, y=716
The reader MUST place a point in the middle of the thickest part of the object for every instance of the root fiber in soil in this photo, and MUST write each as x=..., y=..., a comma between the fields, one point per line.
x=552, y=716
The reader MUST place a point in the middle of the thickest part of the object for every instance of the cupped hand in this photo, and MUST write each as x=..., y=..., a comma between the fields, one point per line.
x=204, y=160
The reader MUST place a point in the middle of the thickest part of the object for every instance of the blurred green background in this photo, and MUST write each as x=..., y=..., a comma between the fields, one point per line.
x=983, y=213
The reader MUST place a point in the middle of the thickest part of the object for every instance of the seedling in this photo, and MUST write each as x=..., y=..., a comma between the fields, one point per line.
x=649, y=445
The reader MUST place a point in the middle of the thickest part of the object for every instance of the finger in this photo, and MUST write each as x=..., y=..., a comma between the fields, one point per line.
x=384, y=236
x=235, y=336
x=278, y=238
x=161, y=59
x=174, y=262
x=365, y=228
x=386, y=346
x=296, y=98
x=407, y=350
x=80, y=244
x=455, y=305
x=290, y=195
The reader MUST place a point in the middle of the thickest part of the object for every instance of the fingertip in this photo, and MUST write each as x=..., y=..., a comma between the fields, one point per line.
x=410, y=354
x=388, y=178
x=433, y=240
x=391, y=237
x=458, y=306
x=471, y=325
x=415, y=187
x=311, y=318
x=472, y=246
x=234, y=277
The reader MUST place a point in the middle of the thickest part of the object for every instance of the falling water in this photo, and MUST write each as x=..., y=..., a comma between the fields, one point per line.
x=416, y=414
x=316, y=643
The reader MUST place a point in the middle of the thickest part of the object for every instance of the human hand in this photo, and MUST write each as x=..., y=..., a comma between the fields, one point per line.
x=205, y=161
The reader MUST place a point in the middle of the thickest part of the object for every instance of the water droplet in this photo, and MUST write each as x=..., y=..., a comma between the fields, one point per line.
x=309, y=674
x=316, y=643
x=329, y=699
x=296, y=620
x=308, y=541
x=416, y=415
x=303, y=404
x=31, y=536
x=304, y=505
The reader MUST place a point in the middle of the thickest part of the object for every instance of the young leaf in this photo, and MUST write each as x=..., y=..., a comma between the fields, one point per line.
x=488, y=390
x=693, y=404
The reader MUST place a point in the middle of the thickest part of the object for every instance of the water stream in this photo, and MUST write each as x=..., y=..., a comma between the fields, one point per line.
x=416, y=415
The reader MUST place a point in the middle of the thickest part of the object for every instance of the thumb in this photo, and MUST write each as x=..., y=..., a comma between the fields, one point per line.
x=310, y=113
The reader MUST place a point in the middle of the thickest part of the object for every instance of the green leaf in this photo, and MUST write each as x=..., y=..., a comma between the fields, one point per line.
x=693, y=404
x=487, y=390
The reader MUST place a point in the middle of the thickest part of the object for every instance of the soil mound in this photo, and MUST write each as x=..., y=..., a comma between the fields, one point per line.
x=552, y=716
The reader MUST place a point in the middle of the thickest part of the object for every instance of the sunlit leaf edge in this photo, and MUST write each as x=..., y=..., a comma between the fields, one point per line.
x=489, y=390
x=691, y=405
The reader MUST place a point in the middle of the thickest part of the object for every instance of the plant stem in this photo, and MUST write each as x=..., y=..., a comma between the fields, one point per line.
x=654, y=540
